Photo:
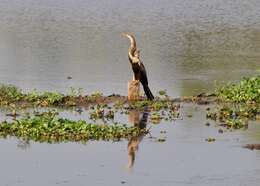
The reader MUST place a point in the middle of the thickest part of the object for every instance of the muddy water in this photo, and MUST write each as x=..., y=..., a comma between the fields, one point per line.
x=185, y=47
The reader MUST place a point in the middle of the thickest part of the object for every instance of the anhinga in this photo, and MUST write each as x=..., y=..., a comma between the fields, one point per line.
x=138, y=66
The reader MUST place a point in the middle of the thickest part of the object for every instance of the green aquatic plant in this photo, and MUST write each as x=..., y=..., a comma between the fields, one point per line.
x=210, y=139
x=119, y=105
x=242, y=111
x=32, y=96
x=156, y=105
x=101, y=111
x=48, y=127
x=235, y=124
x=159, y=105
x=243, y=99
x=140, y=105
x=161, y=140
x=162, y=92
x=234, y=116
x=52, y=97
x=156, y=117
x=172, y=115
x=95, y=95
x=246, y=91
x=44, y=98
x=97, y=113
x=73, y=92
x=110, y=114
x=9, y=94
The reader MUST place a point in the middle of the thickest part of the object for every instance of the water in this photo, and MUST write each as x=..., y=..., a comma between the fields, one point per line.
x=185, y=46
x=185, y=158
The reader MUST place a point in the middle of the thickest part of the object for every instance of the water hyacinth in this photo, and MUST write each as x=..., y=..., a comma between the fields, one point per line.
x=48, y=127
x=10, y=93
x=247, y=90
x=243, y=103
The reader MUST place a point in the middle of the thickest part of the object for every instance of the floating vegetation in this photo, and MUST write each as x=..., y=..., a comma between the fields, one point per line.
x=160, y=108
x=207, y=124
x=10, y=93
x=156, y=117
x=172, y=115
x=210, y=139
x=98, y=112
x=140, y=105
x=102, y=111
x=159, y=105
x=246, y=91
x=234, y=111
x=119, y=105
x=243, y=99
x=161, y=140
x=48, y=127
x=162, y=92
x=156, y=105
x=243, y=104
x=110, y=114
x=163, y=131
x=234, y=116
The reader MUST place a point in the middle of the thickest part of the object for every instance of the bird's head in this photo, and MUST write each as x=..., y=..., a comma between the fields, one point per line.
x=124, y=34
x=130, y=37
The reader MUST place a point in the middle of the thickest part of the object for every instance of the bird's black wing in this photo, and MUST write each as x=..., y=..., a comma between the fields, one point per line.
x=143, y=74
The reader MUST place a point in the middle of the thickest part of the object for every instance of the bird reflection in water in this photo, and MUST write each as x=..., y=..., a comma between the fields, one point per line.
x=132, y=147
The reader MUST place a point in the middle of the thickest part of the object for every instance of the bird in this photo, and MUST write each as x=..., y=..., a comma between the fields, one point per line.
x=137, y=66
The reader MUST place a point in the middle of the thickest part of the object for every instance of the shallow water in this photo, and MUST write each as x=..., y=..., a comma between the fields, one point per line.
x=185, y=158
x=185, y=47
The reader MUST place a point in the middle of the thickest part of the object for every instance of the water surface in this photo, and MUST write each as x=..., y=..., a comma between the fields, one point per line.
x=185, y=45
x=185, y=158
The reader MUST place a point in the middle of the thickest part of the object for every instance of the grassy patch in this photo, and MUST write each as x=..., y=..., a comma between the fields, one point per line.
x=45, y=98
x=10, y=94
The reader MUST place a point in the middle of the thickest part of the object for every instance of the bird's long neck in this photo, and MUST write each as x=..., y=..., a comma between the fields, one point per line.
x=132, y=42
x=132, y=47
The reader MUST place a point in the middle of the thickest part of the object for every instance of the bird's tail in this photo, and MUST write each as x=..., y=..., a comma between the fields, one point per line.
x=148, y=92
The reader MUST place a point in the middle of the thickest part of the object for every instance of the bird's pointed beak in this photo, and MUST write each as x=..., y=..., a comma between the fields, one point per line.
x=123, y=34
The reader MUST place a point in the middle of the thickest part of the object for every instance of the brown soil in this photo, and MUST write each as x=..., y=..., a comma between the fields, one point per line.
x=88, y=101
x=252, y=146
x=201, y=99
